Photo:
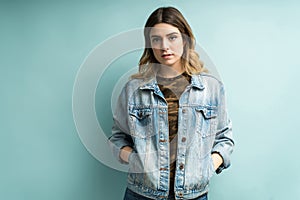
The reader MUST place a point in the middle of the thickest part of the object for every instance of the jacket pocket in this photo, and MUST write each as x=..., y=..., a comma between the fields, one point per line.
x=140, y=122
x=206, y=120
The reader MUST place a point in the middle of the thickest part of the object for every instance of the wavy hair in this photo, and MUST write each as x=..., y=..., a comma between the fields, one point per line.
x=189, y=59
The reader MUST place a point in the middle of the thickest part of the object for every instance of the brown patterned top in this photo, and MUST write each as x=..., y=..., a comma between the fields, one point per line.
x=172, y=88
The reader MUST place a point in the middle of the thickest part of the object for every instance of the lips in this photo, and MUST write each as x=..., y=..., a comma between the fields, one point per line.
x=167, y=55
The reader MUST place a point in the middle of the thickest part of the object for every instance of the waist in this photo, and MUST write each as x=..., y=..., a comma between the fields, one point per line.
x=132, y=195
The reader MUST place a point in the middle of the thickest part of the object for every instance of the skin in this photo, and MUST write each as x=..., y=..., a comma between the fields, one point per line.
x=167, y=45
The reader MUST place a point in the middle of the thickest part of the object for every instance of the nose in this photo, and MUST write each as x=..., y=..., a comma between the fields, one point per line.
x=164, y=44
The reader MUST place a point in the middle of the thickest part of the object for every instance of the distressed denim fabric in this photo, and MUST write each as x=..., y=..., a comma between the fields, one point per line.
x=141, y=121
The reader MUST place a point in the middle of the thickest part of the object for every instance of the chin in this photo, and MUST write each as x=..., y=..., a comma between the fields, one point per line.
x=169, y=64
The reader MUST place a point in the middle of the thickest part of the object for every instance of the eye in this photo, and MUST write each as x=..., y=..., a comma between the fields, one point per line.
x=172, y=37
x=155, y=40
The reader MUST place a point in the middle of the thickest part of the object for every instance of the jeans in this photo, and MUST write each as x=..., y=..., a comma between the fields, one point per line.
x=130, y=195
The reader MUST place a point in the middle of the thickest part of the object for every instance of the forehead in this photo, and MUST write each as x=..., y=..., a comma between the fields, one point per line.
x=162, y=29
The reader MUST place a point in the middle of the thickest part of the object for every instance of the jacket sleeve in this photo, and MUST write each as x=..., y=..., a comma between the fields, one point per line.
x=224, y=143
x=120, y=131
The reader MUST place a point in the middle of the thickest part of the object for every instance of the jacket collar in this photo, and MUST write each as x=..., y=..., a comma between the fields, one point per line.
x=196, y=81
x=151, y=85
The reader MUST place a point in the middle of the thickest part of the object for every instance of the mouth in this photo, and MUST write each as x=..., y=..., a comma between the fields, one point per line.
x=167, y=55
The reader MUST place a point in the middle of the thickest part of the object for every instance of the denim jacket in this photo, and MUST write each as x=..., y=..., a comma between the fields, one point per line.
x=141, y=121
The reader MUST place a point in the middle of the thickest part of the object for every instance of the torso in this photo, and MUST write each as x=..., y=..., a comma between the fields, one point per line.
x=172, y=88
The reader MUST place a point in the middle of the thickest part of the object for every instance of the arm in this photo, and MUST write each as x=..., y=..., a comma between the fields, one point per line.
x=120, y=141
x=223, y=145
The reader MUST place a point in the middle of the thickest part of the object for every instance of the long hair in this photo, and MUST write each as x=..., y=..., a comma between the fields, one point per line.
x=189, y=59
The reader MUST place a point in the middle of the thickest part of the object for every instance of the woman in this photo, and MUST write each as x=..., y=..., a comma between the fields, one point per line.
x=171, y=124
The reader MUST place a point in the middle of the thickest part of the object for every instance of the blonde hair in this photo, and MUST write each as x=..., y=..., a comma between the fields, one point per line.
x=190, y=58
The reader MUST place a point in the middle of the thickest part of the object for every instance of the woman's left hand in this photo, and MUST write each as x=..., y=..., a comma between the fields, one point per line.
x=217, y=160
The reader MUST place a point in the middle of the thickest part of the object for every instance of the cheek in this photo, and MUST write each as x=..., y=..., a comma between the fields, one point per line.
x=178, y=49
x=156, y=52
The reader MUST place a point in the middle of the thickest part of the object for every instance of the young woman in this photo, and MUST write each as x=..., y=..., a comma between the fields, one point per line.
x=171, y=124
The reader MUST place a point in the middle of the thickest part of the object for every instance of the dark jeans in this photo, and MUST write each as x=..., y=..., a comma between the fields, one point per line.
x=130, y=195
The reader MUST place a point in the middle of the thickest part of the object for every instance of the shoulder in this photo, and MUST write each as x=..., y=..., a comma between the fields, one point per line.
x=208, y=81
x=135, y=84
x=210, y=77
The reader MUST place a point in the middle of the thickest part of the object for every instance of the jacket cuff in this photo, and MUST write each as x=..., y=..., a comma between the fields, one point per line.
x=116, y=147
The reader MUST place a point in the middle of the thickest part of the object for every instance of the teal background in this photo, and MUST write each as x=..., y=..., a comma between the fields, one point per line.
x=254, y=44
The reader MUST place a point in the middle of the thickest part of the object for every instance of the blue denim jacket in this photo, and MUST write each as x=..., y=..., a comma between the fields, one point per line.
x=141, y=121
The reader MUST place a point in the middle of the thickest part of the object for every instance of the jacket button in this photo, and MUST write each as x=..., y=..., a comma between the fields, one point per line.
x=163, y=169
x=183, y=110
x=181, y=166
x=180, y=194
x=183, y=139
x=162, y=197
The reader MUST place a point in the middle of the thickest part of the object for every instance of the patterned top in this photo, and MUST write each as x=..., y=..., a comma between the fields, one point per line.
x=172, y=88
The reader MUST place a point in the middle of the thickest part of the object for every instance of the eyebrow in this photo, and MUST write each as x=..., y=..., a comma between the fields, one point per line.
x=173, y=33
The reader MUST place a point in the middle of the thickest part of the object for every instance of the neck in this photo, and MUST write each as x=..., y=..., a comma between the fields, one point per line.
x=170, y=71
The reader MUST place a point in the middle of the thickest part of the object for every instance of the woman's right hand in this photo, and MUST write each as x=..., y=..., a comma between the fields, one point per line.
x=125, y=152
